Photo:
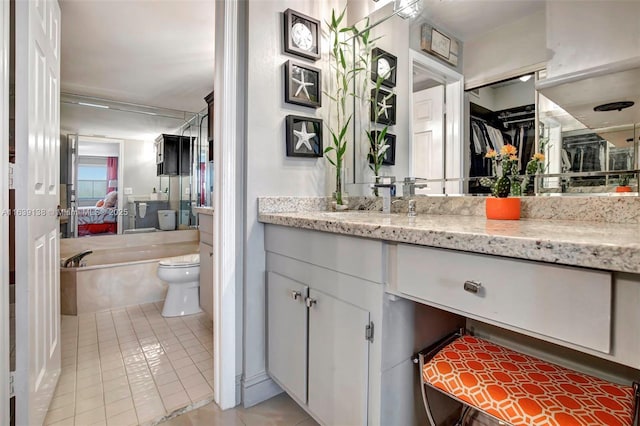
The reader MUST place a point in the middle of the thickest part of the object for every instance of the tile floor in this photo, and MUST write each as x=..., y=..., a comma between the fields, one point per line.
x=131, y=366
x=278, y=411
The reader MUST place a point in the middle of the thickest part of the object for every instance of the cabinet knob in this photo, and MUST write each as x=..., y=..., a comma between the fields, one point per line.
x=472, y=286
x=295, y=294
x=310, y=302
x=210, y=254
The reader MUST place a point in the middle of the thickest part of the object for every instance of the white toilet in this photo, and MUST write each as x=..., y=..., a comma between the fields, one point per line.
x=182, y=273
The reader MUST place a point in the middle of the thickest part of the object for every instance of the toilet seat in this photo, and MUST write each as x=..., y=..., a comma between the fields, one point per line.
x=186, y=261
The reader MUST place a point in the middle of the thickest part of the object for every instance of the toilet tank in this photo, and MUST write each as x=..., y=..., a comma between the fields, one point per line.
x=167, y=220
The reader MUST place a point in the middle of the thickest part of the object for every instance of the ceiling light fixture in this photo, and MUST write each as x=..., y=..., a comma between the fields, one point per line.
x=525, y=78
x=407, y=8
x=612, y=106
x=93, y=105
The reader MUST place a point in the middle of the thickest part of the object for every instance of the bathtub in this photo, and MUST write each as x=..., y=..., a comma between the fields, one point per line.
x=118, y=275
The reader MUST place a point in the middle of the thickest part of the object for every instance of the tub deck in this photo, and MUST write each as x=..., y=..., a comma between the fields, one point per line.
x=115, y=278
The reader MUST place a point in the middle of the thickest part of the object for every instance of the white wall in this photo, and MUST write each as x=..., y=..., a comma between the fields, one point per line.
x=268, y=170
x=139, y=167
x=511, y=49
x=588, y=33
x=514, y=95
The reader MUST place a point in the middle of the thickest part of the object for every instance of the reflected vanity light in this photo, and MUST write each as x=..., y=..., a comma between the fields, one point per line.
x=407, y=8
x=525, y=78
x=93, y=105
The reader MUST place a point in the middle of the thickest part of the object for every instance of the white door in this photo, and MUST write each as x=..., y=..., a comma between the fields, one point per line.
x=37, y=228
x=338, y=361
x=428, y=138
x=4, y=206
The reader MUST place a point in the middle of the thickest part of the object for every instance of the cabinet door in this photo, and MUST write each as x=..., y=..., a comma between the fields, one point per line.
x=287, y=334
x=206, y=278
x=338, y=360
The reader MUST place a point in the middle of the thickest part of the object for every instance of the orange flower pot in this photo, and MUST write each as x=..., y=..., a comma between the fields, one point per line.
x=623, y=189
x=503, y=208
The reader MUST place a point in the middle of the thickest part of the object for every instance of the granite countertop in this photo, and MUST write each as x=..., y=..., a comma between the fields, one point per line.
x=204, y=210
x=608, y=246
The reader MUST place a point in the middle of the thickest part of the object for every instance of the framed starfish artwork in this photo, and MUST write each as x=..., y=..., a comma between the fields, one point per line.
x=389, y=158
x=302, y=84
x=383, y=107
x=304, y=136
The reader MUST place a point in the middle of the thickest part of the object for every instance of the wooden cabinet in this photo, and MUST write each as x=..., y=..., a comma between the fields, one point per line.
x=320, y=323
x=206, y=262
x=287, y=329
x=206, y=278
x=210, y=110
x=559, y=302
x=318, y=350
x=338, y=360
x=173, y=155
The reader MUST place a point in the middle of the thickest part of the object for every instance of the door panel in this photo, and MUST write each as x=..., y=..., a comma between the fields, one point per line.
x=287, y=334
x=338, y=361
x=36, y=177
x=428, y=138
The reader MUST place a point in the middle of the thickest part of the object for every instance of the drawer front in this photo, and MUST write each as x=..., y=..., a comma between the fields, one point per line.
x=569, y=304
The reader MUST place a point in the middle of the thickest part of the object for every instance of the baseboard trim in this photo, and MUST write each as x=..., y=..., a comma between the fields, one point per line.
x=258, y=389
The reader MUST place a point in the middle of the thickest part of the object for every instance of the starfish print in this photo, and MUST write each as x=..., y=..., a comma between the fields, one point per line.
x=302, y=85
x=383, y=107
x=303, y=137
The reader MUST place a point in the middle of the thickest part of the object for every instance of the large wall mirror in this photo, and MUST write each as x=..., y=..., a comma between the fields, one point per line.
x=585, y=151
x=117, y=100
x=111, y=182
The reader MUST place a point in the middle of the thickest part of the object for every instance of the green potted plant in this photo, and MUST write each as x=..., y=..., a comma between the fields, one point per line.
x=505, y=164
x=623, y=183
x=343, y=75
x=377, y=138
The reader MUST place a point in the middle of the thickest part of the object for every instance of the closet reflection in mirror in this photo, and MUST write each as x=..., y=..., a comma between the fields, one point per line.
x=500, y=114
x=111, y=182
x=578, y=159
x=590, y=160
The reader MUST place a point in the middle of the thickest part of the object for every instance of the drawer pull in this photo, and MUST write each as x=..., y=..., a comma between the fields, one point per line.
x=295, y=294
x=472, y=286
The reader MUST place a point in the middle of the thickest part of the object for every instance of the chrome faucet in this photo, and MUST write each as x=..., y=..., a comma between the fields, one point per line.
x=409, y=186
x=386, y=185
x=74, y=261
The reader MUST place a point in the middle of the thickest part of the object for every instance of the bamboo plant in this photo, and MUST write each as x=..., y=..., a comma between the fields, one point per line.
x=343, y=75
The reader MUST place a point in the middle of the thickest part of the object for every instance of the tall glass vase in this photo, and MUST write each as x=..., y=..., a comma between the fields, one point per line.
x=340, y=198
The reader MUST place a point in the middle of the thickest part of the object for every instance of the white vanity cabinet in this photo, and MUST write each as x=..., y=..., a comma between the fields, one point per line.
x=321, y=317
x=318, y=351
x=206, y=263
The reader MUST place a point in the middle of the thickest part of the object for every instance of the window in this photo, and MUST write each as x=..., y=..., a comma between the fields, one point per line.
x=92, y=178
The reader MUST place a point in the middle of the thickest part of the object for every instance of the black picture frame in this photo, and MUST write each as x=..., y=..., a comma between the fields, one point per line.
x=389, y=158
x=296, y=148
x=291, y=19
x=302, y=84
x=376, y=55
x=388, y=115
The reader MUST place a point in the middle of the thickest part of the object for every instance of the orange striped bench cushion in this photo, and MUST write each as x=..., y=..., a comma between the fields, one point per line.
x=523, y=390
